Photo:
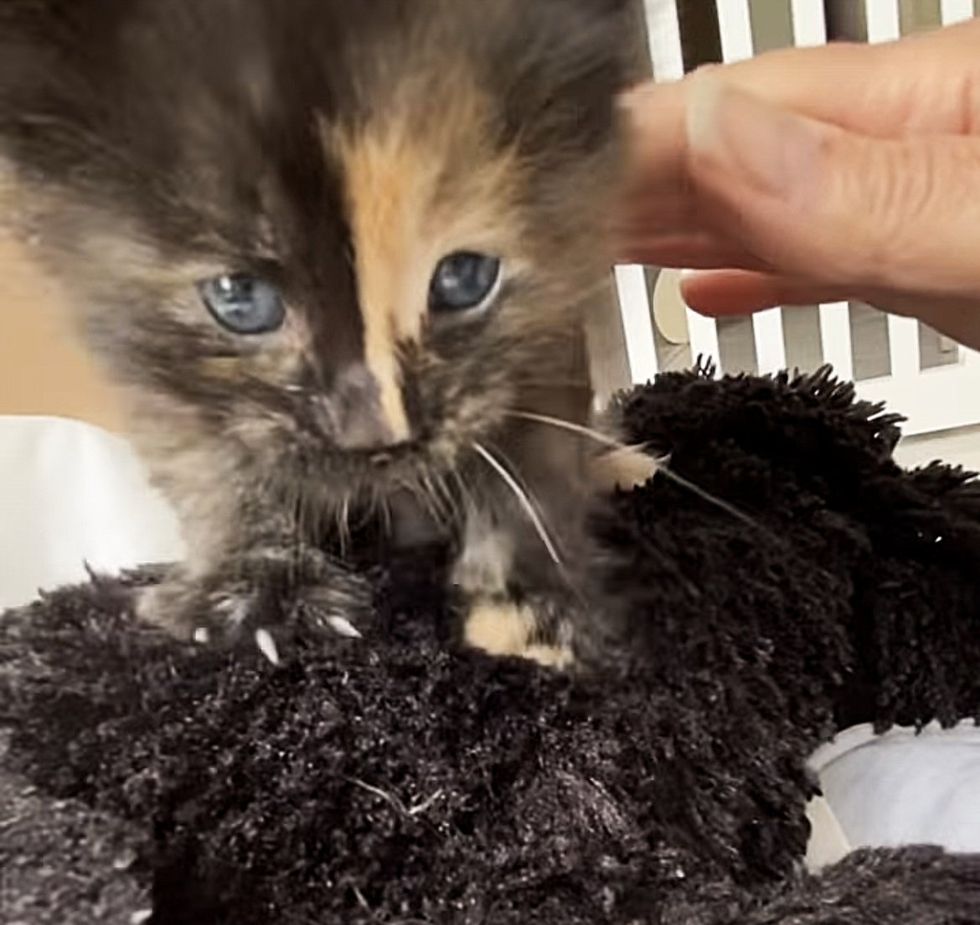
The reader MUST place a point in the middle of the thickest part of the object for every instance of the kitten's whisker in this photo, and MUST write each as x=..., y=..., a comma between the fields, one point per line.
x=452, y=500
x=710, y=498
x=661, y=463
x=466, y=502
x=345, y=525
x=422, y=496
x=522, y=498
x=430, y=503
x=442, y=515
x=384, y=505
x=437, y=485
x=579, y=429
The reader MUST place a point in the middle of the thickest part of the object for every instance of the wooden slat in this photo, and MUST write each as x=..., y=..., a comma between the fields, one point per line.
x=954, y=11
x=835, y=338
x=703, y=333
x=884, y=20
x=939, y=399
x=664, y=36
x=770, y=343
x=903, y=347
x=634, y=305
x=809, y=23
x=735, y=24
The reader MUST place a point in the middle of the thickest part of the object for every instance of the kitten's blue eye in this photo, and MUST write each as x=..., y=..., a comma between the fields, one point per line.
x=464, y=281
x=243, y=304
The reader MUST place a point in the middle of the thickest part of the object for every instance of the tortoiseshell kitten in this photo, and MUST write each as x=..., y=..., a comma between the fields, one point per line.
x=339, y=252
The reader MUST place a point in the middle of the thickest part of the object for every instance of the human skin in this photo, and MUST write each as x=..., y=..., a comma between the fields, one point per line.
x=814, y=175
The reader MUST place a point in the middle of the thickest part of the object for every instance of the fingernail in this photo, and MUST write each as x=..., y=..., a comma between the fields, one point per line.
x=736, y=135
x=687, y=278
x=645, y=96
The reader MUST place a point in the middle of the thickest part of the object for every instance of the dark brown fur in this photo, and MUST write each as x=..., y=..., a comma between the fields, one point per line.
x=157, y=142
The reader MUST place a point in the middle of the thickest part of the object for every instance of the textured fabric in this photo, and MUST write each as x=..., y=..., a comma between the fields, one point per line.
x=394, y=780
x=63, y=862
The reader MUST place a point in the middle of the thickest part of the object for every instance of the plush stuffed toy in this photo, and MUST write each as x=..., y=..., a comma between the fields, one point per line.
x=398, y=780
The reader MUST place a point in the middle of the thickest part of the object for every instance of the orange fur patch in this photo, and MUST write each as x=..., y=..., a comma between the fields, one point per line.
x=418, y=188
x=388, y=185
x=505, y=630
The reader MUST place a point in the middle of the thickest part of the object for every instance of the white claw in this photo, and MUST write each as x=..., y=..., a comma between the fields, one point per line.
x=267, y=646
x=201, y=636
x=138, y=918
x=344, y=628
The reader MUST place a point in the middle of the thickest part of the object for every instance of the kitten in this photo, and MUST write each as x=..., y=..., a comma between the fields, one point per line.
x=339, y=253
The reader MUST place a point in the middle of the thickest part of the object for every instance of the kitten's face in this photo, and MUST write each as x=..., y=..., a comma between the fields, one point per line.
x=344, y=236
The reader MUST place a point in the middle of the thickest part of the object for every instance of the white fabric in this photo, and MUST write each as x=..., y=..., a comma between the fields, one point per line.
x=71, y=493
x=902, y=787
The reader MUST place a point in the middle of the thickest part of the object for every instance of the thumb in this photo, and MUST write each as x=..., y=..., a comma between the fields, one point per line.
x=813, y=201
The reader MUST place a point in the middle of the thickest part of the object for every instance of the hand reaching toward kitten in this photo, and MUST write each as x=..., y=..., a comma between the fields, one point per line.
x=817, y=175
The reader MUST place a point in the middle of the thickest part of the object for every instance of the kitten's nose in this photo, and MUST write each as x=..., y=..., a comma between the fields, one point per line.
x=361, y=421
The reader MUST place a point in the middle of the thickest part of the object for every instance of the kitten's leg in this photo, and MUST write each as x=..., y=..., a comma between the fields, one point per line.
x=520, y=603
x=504, y=628
x=498, y=618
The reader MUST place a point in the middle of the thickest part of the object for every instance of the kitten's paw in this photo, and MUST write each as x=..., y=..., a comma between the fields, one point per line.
x=505, y=628
x=624, y=468
x=172, y=606
x=272, y=608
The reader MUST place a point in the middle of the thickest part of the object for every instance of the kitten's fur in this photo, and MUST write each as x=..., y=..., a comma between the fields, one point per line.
x=340, y=148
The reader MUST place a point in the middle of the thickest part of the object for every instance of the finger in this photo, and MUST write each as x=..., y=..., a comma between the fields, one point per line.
x=660, y=212
x=692, y=251
x=923, y=84
x=915, y=86
x=723, y=293
x=670, y=222
x=926, y=85
x=814, y=201
x=727, y=293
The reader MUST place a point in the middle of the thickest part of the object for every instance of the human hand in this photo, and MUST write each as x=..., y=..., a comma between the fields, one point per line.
x=817, y=175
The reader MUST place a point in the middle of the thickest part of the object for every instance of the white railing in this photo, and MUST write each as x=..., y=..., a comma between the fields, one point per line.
x=932, y=399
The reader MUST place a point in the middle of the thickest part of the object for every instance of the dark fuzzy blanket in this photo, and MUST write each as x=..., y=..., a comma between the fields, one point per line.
x=396, y=781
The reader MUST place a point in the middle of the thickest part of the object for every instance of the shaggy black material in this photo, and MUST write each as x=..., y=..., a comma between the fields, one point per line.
x=392, y=780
